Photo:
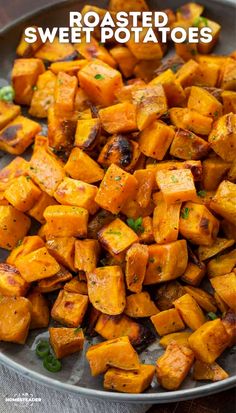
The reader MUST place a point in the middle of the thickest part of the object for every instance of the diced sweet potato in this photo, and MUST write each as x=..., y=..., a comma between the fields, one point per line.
x=204, y=102
x=61, y=129
x=17, y=167
x=37, y=265
x=194, y=273
x=119, y=118
x=167, y=321
x=188, y=73
x=187, y=145
x=228, y=76
x=43, y=95
x=222, y=264
x=54, y=51
x=81, y=166
x=65, y=90
x=215, y=32
x=174, y=365
x=25, y=49
x=106, y=289
x=155, y=140
x=165, y=220
x=225, y=286
x=173, y=90
x=66, y=341
x=214, y=170
x=197, y=224
x=191, y=120
x=229, y=321
x=86, y=254
x=167, y=293
x=144, y=51
x=205, y=371
x=22, y=193
x=24, y=247
x=87, y=132
x=222, y=137
x=176, y=186
x=222, y=306
x=24, y=77
x=8, y=112
x=204, y=299
x=136, y=262
x=39, y=311
x=71, y=67
x=146, y=182
x=39, y=207
x=219, y=245
x=116, y=353
x=209, y=341
x=224, y=201
x=140, y=305
x=18, y=135
x=229, y=101
x=229, y=229
x=15, y=319
x=46, y=285
x=120, y=150
x=75, y=285
x=62, y=249
x=129, y=381
x=124, y=58
x=190, y=311
x=179, y=338
x=11, y=282
x=117, y=236
x=69, y=308
x=14, y=225
x=115, y=189
x=166, y=262
x=94, y=50
x=75, y=225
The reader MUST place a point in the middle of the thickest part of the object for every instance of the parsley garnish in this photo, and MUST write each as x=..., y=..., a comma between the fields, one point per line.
x=200, y=21
x=117, y=178
x=185, y=213
x=202, y=193
x=174, y=179
x=135, y=224
x=77, y=330
x=98, y=76
x=212, y=315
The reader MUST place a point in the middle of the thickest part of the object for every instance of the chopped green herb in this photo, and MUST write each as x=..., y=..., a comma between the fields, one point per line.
x=117, y=178
x=7, y=93
x=212, y=315
x=98, y=76
x=35, y=88
x=174, y=179
x=28, y=178
x=216, y=113
x=151, y=260
x=113, y=232
x=175, y=67
x=135, y=224
x=193, y=52
x=77, y=330
x=202, y=193
x=200, y=21
x=185, y=213
x=19, y=242
x=135, y=279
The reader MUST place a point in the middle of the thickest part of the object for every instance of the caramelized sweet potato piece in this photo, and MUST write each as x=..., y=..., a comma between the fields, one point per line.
x=129, y=381
x=187, y=145
x=229, y=321
x=24, y=247
x=69, y=308
x=176, y=186
x=54, y=51
x=222, y=137
x=221, y=264
x=166, y=294
x=14, y=225
x=22, y=193
x=47, y=285
x=39, y=207
x=39, y=311
x=8, y=112
x=43, y=96
x=165, y=220
x=155, y=139
x=15, y=319
x=205, y=300
x=205, y=371
x=136, y=262
x=167, y=321
x=224, y=201
x=225, y=286
x=190, y=311
x=81, y=166
x=179, y=338
x=86, y=254
x=140, y=305
x=11, y=282
x=66, y=341
x=76, y=221
x=120, y=150
x=62, y=249
x=117, y=236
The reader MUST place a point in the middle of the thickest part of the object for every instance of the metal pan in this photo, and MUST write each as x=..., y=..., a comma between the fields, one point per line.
x=75, y=376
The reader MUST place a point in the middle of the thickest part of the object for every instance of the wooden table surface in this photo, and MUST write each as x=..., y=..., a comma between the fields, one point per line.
x=224, y=402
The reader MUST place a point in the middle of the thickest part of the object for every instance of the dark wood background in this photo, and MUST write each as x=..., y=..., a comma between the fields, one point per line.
x=224, y=402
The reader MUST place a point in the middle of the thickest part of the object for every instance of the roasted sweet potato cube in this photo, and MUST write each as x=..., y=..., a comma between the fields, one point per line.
x=176, y=186
x=205, y=371
x=46, y=285
x=100, y=81
x=11, y=282
x=54, y=51
x=194, y=273
x=186, y=145
x=116, y=353
x=18, y=135
x=136, y=262
x=61, y=129
x=167, y=322
x=124, y=58
x=43, y=95
x=222, y=264
x=133, y=5
x=77, y=193
x=24, y=247
x=117, y=236
x=87, y=132
x=228, y=76
x=38, y=209
x=146, y=182
x=165, y=220
x=106, y=289
x=197, y=224
x=179, y=338
x=120, y=150
x=75, y=225
x=205, y=300
x=215, y=32
x=204, y=102
x=15, y=319
x=191, y=120
x=115, y=189
x=8, y=112
x=14, y=225
x=224, y=201
x=229, y=229
x=81, y=166
x=155, y=140
x=37, y=265
x=225, y=286
x=194, y=166
x=129, y=381
x=229, y=321
x=22, y=193
x=86, y=254
x=119, y=118
x=66, y=341
x=167, y=293
x=221, y=305
x=219, y=245
x=25, y=49
x=69, y=308
x=190, y=311
x=17, y=167
x=188, y=73
x=146, y=235
x=65, y=90
x=75, y=285
x=173, y=90
x=229, y=101
x=223, y=137
x=94, y=49
x=24, y=77
x=209, y=341
x=39, y=311
x=214, y=169
x=174, y=365
x=63, y=250
x=144, y=51
x=150, y=104
x=166, y=262
x=140, y=305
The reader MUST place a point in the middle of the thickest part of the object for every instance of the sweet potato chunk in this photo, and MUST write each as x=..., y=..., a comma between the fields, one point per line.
x=43, y=95
x=205, y=371
x=8, y=112
x=167, y=293
x=69, y=308
x=229, y=321
x=66, y=341
x=222, y=137
x=17, y=167
x=136, y=262
x=100, y=82
x=191, y=120
x=140, y=305
x=174, y=365
x=117, y=236
x=75, y=285
x=81, y=166
x=87, y=132
x=94, y=50
x=190, y=311
x=165, y=220
x=197, y=224
x=39, y=311
x=219, y=245
x=155, y=139
x=24, y=77
x=194, y=273
x=22, y=193
x=46, y=285
x=119, y=118
x=37, y=265
x=124, y=58
x=173, y=90
x=15, y=319
x=144, y=51
x=54, y=51
x=116, y=353
x=224, y=201
x=11, y=282
x=76, y=221
x=39, y=207
x=62, y=249
x=179, y=338
x=222, y=264
x=146, y=182
x=115, y=189
x=86, y=254
x=65, y=90
x=187, y=145
x=14, y=225
x=209, y=341
x=133, y=5
x=176, y=186
x=24, y=247
x=106, y=289
x=204, y=102
x=225, y=286
x=205, y=300
x=166, y=262
x=167, y=321
x=25, y=49
x=187, y=73
x=120, y=150
x=129, y=381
